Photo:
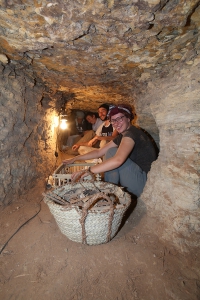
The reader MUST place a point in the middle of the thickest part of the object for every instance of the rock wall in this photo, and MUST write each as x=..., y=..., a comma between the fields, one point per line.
x=171, y=195
x=142, y=51
x=98, y=49
x=26, y=135
x=168, y=109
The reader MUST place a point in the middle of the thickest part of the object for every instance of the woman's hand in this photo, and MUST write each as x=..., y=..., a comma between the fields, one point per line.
x=75, y=147
x=69, y=161
x=76, y=176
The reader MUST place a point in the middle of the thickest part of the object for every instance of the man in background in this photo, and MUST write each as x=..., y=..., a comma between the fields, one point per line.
x=77, y=128
x=94, y=120
x=104, y=134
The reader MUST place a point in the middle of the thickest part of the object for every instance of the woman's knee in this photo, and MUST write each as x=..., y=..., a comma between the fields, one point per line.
x=110, y=153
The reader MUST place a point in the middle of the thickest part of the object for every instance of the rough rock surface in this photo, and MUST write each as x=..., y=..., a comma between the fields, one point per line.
x=172, y=191
x=82, y=53
x=27, y=137
x=99, y=51
x=40, y=262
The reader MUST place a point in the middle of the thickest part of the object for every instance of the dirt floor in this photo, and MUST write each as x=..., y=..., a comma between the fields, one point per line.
x=39, y=262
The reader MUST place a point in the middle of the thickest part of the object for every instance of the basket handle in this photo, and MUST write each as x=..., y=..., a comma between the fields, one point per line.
x=92, y=200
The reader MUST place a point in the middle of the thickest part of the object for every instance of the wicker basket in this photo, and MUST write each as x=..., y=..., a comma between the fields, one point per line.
x=62, y=174
x=94, y=225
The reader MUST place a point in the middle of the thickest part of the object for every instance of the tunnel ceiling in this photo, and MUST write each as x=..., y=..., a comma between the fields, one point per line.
x=101, y=50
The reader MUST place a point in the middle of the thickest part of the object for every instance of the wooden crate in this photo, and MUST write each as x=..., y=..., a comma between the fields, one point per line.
x=62, y=174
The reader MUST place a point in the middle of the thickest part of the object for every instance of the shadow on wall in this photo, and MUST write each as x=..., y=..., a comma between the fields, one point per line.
x=148, y=122
x=153, y=141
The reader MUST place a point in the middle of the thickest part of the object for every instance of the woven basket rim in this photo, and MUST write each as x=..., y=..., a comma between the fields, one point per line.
x=126, y=197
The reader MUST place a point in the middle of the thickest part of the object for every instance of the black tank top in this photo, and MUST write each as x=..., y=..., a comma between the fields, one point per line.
x=107, y=131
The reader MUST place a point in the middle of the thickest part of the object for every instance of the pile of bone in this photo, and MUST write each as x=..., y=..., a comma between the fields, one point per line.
x=82, y=196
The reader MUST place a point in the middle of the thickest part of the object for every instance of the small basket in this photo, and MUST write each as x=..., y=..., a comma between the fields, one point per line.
x=91, y=225
x=62, y=175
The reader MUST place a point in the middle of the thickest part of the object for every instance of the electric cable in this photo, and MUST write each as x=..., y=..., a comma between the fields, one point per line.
x=56, y=152
x=20, y=228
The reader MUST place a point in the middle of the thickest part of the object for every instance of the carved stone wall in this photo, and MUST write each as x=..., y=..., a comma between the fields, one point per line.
x=27, y=136
x=83, y=53
x=172, y=192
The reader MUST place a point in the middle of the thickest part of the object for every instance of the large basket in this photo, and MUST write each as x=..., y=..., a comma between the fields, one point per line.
x=62, y=174
x=93, y=226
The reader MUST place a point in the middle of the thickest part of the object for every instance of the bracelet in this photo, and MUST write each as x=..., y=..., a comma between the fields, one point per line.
x=90, y=170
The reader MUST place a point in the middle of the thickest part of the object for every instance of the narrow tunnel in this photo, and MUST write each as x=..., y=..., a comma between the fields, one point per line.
x=77, y=56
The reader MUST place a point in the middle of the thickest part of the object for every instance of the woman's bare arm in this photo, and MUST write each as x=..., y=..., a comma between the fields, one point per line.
x=114, y=162
x=118, y=159
x=93, y=154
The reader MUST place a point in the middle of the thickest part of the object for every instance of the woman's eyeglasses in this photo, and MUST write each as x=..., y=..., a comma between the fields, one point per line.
x=118, y=120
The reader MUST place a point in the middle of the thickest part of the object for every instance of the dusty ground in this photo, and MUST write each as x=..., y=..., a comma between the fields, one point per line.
x=39, y=262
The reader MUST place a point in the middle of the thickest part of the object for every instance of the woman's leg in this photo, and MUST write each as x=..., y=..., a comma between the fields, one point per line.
x=128, y=175
x=132, y=177
x=111, y=176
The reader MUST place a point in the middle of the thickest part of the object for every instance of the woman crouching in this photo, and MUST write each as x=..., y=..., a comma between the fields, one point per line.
x=128, y=157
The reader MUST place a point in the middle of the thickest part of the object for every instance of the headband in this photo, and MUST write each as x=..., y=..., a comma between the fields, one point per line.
x=120, y=107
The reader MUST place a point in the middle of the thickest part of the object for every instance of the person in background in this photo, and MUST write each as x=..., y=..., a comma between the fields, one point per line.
x=104, y=133
x=93, y=120
x=128, y=157
x=78, y=127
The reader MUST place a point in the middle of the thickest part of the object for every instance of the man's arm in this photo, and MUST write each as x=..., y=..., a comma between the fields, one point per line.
x=99, y=136
x=107, y=138
x=84, y=140
x=93, y=141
